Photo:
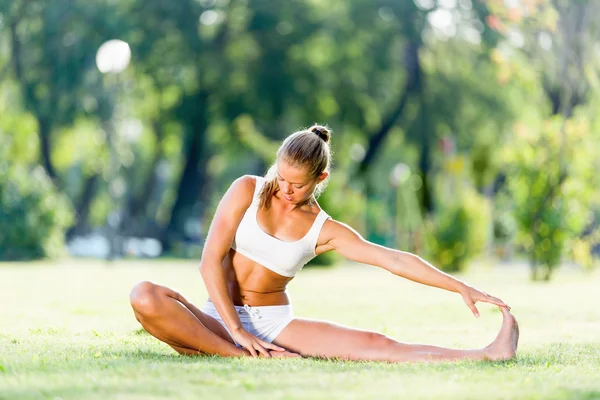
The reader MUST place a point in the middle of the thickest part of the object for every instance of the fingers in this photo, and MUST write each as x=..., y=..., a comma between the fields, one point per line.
x=262, y=350
x=252, y=344
x=271, y=346
x=494, y=300
x=256, y=350
x=501, y=304
x=252, y=351
x=475, y=295
x=260, y=347
x=474, y=309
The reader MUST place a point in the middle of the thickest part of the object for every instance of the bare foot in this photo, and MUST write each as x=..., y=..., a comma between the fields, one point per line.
x=284, y=354
x=505, y=345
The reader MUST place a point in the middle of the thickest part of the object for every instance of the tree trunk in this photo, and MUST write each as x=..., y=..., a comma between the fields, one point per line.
x=425, y=167
x=83, y=207
x=548, y=273
x=194, y=177
x=413, y=84
x=426, y=135
x=534, y=268
x=45, y=129
x=44, y=122
x=136, y=209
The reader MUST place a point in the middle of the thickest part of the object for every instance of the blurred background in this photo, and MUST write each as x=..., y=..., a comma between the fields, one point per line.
x=461, y=128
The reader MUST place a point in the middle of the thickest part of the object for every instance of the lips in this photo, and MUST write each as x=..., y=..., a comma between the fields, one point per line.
x=288, y=198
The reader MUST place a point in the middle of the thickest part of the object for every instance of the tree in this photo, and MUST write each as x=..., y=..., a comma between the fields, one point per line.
x=554, y=151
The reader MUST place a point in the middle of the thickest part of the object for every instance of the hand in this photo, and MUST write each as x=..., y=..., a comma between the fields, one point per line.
x=254, y=345
x=471, y=296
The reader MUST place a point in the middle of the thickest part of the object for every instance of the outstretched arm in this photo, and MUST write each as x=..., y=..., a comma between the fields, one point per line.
x=350, y=244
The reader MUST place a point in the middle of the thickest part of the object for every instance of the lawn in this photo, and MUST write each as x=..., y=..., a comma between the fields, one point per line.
x=67, y=332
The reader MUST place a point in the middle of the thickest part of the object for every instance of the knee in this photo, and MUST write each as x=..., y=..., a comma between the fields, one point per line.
x=368, y=346
x=144, y=298
x=375, y=339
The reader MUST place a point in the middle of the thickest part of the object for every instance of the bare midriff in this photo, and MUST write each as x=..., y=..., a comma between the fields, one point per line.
x=252, y=284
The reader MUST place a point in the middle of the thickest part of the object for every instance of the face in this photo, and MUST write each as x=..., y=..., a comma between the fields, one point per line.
x=294, y=183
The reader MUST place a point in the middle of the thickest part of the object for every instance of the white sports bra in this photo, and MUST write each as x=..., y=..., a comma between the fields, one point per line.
x=284, y=258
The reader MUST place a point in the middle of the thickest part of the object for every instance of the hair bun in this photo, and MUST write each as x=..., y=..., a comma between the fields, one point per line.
x=321, y=132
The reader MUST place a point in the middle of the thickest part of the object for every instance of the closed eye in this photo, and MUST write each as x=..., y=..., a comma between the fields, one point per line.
x=280, y=179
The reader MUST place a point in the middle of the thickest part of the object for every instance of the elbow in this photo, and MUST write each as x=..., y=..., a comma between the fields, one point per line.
x=204, y=268
x=207, y=266
x=409, y=258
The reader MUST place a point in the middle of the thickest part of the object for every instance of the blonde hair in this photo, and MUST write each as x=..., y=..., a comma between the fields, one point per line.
x=307, y=148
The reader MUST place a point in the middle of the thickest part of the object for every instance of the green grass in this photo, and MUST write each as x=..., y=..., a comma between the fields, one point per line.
x=67, y=331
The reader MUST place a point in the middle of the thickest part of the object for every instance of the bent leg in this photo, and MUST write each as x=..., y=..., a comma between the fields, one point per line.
x=327, y=340
x=169, y=317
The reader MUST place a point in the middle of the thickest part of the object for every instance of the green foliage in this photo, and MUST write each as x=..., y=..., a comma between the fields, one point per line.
x=504, y=227
x=33, y=216
x=551, y=183
x=458, y=231
x=233, y=78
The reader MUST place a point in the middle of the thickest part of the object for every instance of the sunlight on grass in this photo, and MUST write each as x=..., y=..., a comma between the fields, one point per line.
x=67, y=331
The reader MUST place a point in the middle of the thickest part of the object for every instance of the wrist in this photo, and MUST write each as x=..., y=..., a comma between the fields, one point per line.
x=461, y=287
x=237, y=329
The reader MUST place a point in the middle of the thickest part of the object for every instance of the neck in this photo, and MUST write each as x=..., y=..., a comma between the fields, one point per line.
x=292, y=207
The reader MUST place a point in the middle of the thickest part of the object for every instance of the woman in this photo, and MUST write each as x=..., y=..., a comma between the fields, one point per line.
x=263, y=232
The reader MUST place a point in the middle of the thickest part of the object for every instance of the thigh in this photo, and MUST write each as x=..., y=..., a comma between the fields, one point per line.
x=209, y=322
x=324, y=339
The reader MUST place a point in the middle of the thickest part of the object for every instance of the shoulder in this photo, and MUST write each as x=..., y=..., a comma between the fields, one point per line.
x=336, y=235
x=351, y=245
x=333, y=230
x=242, y=189
x=245, y=183
x=248, y=183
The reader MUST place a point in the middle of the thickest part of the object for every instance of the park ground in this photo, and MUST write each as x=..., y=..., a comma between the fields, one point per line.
x=67, y=332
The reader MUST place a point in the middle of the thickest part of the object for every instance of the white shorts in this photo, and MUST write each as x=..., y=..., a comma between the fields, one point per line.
x=264, y=322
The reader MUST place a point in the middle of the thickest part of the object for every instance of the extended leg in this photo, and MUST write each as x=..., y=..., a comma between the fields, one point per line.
x=327, y=340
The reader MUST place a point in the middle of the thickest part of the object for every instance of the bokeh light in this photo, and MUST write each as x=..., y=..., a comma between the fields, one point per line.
x=113, y=56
